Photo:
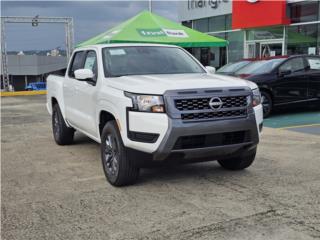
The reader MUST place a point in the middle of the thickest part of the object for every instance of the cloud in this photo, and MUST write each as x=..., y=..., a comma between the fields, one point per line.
x=90, y=19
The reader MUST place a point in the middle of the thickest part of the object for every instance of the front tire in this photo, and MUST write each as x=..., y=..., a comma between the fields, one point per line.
x=118, y=167
x=63, y=135
x=267, y=104
x=240, y=162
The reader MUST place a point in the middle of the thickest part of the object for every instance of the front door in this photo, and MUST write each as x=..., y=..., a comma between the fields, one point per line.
x=70, y=87
x=86, y=97
x=80, y=95
x=292, y=82
x=313, y=73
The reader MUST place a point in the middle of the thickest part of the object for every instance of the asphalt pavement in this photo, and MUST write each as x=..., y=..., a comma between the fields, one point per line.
x=54, y=192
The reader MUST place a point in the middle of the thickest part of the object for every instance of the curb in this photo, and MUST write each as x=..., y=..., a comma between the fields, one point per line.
x=22, y=93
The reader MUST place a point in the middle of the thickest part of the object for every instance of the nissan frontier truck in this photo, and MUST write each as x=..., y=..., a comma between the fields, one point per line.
x=154, y=103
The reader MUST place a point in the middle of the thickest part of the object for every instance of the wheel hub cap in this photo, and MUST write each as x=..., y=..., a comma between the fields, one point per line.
x=111, y=155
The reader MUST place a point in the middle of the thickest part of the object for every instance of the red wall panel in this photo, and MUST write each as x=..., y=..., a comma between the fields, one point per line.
x=258, y=14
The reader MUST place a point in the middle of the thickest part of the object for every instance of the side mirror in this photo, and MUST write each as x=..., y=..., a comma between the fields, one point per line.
x=83, y=74
x=210, y=69
x=284, y=72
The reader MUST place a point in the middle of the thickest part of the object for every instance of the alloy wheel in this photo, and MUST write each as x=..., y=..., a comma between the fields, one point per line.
x=56, y=124
x=111, y=155
x=266, y=104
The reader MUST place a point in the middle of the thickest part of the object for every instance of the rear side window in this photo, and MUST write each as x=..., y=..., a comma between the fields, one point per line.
x=314, y=63
x=293, y=65
x=77, y=63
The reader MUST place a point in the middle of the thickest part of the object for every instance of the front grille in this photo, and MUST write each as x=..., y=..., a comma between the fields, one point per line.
x=214, y=115
x=212, y=140
x=198, y=109
x=203, y=103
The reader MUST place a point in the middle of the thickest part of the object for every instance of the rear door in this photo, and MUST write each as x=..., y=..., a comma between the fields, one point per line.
x=70, y=87
x=292, y=82
x=313, y=73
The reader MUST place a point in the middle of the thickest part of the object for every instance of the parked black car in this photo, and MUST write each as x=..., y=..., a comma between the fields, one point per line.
x=285, y=80
x=231, y=68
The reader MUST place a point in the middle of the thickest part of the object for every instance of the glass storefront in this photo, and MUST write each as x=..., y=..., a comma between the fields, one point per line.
x=303, y=39
x=302, y=36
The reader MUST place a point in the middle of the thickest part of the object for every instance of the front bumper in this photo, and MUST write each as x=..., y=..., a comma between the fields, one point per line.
x=174, y=137
x=179, y=129
x=170, y=130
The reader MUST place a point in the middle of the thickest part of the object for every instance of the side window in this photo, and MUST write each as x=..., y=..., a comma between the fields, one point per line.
x=91, y=62
x=77, y=63
x=293, y=65
x=313, y=63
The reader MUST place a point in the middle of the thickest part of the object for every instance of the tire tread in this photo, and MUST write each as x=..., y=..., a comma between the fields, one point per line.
x=66, y=133
x=128, y=172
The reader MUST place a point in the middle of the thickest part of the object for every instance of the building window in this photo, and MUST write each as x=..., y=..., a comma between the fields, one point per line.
x=217, y=24
x=218, y=56
x=228, y=22
x=236, y=45
x=201, y=25
x=303, y=39
x=265, y=33
x=306, y=11
x=220, y=23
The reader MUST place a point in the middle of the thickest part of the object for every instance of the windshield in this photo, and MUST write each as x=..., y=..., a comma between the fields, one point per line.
x=142, y=60
x=233, y=67
x=260, y=67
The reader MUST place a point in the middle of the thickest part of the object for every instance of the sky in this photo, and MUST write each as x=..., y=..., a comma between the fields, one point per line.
x=90, y=18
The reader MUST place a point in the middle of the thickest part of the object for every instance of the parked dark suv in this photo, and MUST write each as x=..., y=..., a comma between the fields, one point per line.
x=285, y=80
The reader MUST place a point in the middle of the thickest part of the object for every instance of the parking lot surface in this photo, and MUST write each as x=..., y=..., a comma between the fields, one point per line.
x=54, y=192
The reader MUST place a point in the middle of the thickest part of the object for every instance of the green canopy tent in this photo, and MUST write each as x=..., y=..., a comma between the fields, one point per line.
x=148, y=27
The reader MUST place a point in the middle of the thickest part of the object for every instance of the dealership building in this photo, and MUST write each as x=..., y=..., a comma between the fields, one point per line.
x=253, y=28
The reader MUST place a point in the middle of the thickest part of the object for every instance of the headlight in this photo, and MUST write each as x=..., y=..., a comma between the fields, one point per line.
x=256, y=98
x=147, y=103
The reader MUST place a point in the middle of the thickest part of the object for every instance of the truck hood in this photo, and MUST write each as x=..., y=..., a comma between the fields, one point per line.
x=158, y=84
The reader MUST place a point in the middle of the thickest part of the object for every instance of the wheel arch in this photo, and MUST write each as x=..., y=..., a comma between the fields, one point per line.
x=104, y=117
x=54, y=101
x=269, y=91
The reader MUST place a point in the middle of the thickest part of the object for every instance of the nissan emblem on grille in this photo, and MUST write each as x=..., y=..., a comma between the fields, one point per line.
x=215, y=103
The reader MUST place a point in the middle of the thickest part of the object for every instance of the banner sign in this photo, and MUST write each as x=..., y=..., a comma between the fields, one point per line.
x=158, y=32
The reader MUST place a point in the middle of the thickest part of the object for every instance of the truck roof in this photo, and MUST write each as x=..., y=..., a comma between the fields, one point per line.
x=100, y=46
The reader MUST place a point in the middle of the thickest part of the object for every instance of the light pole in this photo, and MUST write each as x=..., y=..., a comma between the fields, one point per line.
x=150, y=5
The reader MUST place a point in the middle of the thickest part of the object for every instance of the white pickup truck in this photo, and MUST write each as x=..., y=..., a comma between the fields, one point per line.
x=151, y=103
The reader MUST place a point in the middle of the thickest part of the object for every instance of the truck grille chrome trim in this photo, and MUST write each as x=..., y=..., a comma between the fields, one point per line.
x=192, y=105
x=203, y=103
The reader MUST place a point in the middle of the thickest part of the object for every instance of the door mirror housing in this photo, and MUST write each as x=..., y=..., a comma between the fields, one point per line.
x=84, y=74
x=211, y=70
x=284, y=72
